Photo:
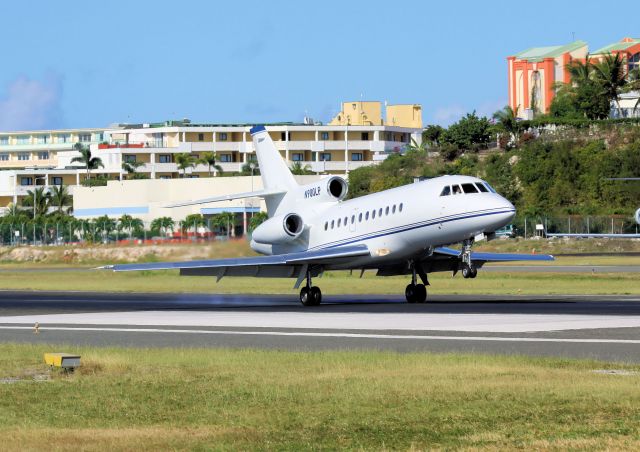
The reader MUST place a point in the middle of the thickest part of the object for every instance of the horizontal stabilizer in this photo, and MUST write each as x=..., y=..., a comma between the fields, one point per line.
x=231, y=197
x=495, y=257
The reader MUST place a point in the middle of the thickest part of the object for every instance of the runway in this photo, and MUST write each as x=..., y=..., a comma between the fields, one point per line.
x=598, y=327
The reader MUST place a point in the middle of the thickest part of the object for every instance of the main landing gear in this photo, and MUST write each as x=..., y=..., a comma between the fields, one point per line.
x=310, y=295
x=416, y=293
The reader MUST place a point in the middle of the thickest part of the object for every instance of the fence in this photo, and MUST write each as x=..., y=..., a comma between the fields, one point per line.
x=575, y=224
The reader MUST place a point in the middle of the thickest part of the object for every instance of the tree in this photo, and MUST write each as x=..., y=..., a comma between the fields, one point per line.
x=299, y=170
x=209, y=159
x=610, y=76
x=415, y=147
x=162, y=224
x=130, y=224
x=633, y=84
x=469, y=133
x=193, y=221
x=256, y=220
x=61, y=199
x=41, y=200
x=432, y=134
x=508, y=121
x=184, y=162
x=131, y=167
x=225, y=220
x=86, y=159
x=105, y=225
x=247, y=171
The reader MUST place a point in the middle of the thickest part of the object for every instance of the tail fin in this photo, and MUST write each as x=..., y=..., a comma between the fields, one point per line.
x=273, y=169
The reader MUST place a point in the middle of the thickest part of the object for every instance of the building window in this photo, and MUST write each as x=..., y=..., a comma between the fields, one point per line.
x=356, y=156
x=201, y=137
x=222, y=136
x=129, y=158
x=23, y=139
x=324, y=136
x=164, y=158
x=26, y=181
x=283, y=136
x=226, y=158
x=165, y=177
x=23, y=156
x=325, y=156
x=4, y=157
x=64, y=138
x=297, y=157
x=365, y=136
x=4, y=140
x=193, y=176
x=84, y=138
x=44, y=155
x=388, y=136
x=57, y=180
x=98, y=137
x=43, y=139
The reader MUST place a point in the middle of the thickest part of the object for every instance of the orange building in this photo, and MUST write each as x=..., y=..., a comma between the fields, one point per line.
x=627, y=48
x=534, y=72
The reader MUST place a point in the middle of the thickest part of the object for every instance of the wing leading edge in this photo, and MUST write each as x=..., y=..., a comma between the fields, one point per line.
x=278, y=266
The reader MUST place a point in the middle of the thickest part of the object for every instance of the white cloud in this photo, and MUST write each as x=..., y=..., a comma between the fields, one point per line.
x=29, y=104
x=448, y=115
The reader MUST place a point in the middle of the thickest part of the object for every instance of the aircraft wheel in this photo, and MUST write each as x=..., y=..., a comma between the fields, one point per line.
x=305, y=297
x=474, y=272
x=466, y=271
x=420, y=293
x=316, y=295
x=410, y=293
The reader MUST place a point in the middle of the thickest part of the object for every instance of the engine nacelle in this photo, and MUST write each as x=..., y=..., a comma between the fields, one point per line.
x=326, y=190
x=280, y=229
x=638, y=216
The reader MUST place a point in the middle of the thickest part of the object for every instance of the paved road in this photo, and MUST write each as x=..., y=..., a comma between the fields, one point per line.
x=600, y=327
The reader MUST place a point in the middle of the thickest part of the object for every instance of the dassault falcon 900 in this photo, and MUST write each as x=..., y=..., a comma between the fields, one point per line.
x=401, y=231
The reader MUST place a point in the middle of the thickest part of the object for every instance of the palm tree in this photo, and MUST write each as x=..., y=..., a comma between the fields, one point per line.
x=184, y=161
x=581, y=72
x=226, y=221
x=61, y=199
x=415, y=147
x=162, y=224
x=130, y=224
x=195, y=221
x=633, y=84
x=131, y=167
x=298, y=169
x=257, y=219
x=105, y=225
x=507, y=119
x=209, y=159
x=610, y=76
x=85, y=157
x=41, y=200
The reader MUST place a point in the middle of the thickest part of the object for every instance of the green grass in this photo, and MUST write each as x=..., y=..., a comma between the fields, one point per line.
x=331, y=283
x=243, y=399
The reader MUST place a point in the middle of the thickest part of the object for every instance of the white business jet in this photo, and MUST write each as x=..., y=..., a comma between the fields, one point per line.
x=401, y=231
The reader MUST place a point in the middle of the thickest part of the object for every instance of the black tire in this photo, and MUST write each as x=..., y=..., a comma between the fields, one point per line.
x=305, y=297
x=466, y=271
x=316, y=295
x=420, y=293
x=410, y=293
x=474, y=272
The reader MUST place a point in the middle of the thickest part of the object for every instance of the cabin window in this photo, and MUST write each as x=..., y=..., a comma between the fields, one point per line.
x=380, y=212
x=360, y=217
x=339, y=221
x=482, y=188
x=469, y=188
x=457, y=190
x=326, y=225
x=400, y=208
x=346, y=220
x=366, y=217
x=393, y=209
x=386, y=211
x=353, y=219
x=373, y=214
x=332, y=224
x=446, y=191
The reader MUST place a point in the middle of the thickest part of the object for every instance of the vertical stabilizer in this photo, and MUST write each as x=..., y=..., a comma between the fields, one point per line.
x=273, y=169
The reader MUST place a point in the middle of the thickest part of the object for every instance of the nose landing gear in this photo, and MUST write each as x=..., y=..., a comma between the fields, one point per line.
x=416, y=293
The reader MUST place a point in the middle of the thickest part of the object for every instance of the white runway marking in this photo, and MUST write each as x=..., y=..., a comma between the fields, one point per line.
x=337, y=335
x=496, y=323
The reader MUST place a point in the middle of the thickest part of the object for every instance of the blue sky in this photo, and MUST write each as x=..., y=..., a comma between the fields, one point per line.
x=89, y=64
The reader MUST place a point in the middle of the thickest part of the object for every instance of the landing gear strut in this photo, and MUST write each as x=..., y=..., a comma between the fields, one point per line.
x=468, y=269
x=310, y=295
x=416, y=293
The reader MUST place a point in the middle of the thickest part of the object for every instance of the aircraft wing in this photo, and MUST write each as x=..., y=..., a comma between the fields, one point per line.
x=231, y=197
x=494, y=257
x=277, y=266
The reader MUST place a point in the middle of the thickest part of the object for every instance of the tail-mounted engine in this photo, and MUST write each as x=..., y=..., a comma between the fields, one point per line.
x=280, y=229
x=638, y=216
x=326, y=190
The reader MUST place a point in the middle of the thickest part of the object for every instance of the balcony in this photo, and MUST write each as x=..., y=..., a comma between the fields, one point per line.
x=325, y=166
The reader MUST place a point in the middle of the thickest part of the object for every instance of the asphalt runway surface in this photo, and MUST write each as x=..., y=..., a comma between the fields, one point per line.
x=598, y=327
